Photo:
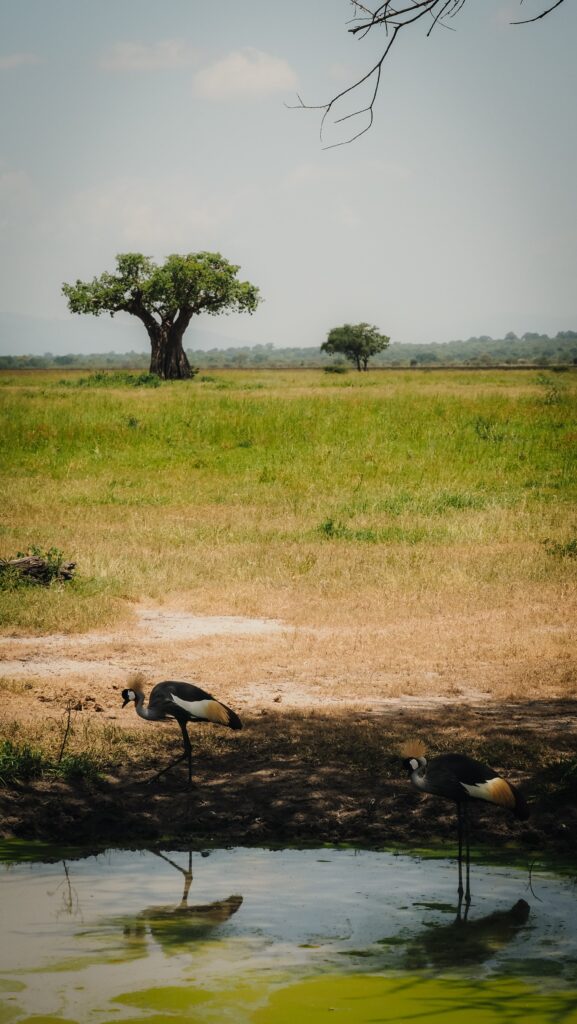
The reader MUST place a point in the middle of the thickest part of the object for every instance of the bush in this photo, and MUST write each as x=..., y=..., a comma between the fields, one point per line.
x=73, y=767
x=558, y=550
x=34, y=567
x=19, y=762
x=102, y=379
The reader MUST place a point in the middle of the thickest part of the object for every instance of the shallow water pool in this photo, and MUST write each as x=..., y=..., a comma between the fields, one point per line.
x=263, y=936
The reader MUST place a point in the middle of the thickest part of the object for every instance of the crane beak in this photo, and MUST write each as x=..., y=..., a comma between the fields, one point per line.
x=125, y=702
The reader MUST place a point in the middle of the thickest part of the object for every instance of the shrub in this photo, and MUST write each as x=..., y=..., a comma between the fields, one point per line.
x=102, y=379
x=558, y=550
x=19, y=762
x=34, y=567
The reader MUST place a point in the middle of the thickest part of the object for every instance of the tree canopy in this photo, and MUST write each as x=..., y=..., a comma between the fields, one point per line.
x=393, y=16
x=357, y=342
x=165, y=298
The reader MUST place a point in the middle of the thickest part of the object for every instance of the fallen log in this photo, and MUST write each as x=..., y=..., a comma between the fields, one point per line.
x=37, y=569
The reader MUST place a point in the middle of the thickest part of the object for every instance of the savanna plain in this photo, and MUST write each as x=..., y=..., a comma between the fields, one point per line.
x=350, y=561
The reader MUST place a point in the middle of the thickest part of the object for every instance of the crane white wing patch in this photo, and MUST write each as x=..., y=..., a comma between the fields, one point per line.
x=495, y=791
x=208, y=710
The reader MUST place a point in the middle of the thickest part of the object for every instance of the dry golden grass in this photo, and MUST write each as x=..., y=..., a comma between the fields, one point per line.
x=394, y=523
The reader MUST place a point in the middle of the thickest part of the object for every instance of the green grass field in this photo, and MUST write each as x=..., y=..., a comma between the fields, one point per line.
x=266, y=491
x=417, y=529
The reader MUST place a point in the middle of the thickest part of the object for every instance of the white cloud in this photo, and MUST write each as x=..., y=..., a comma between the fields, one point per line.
x=161, y=56
x=17, y=196
x=308, y=173
x=13, y=183
x=171, y=216
x=16, y=60
x=372, y=173
x=348, y=216
x=341, y=72
x=244, y=72
x=506, y=13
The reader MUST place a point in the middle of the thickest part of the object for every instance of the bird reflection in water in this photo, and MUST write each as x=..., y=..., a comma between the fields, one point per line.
x=465, y=942
x=175, y=926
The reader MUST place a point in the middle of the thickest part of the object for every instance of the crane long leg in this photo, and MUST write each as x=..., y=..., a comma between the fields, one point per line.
x=187, y=755
x=468, y=854
x=167, y=768
x=187, y=749
x=460, y=827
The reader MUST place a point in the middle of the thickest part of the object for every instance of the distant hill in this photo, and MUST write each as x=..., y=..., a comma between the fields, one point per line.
x=531, y=350
x=21, y=334
x=122, y=342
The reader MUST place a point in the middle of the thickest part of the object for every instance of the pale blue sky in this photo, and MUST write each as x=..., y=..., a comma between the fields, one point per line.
x=133, y=125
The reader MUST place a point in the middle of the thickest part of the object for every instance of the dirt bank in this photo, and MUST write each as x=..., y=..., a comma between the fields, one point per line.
x=326, y=778
x=315, y=763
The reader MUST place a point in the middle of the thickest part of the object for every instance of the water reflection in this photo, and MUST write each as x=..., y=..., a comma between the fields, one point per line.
x=466, y=942
x=132, y=935
x=69, y=902
x=173, y=926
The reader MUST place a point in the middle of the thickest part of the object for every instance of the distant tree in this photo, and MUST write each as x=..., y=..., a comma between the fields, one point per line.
x=511, y=336
x=165, y=298
x=392, y=18
x=357, y=342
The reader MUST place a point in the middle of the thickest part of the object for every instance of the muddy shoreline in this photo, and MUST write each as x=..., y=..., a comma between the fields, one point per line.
x=317, y=761
x=288, y=791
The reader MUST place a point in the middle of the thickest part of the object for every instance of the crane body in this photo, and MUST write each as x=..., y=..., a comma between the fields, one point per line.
x=185, y=703
x=461, y=779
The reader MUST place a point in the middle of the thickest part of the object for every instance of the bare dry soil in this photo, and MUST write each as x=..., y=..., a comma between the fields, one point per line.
x=318, y=759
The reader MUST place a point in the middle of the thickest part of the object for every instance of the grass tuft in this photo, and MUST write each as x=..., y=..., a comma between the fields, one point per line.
x=107, y=379
x=19, y=762
x=568, y=549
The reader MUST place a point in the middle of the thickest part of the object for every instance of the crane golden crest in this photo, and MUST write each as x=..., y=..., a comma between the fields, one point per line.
x=413, y=748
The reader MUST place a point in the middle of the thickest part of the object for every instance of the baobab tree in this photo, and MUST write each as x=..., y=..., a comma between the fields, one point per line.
x=165, y=298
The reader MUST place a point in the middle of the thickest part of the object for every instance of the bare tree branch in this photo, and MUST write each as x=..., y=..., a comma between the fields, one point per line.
x=393, y=19
x=537, y=17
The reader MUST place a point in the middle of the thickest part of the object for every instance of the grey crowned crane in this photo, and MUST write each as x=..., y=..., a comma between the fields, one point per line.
x=461, y=779
x=184, y=702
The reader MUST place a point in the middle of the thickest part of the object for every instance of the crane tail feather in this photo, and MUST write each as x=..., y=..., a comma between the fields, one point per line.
x=498, y=791
x=221, y=715
x=507, y=795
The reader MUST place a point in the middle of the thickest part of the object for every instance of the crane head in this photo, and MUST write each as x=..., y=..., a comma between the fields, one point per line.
x=127, y=696
x=413, y=754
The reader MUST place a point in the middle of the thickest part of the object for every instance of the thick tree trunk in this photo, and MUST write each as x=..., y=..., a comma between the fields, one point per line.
x=168, y=359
